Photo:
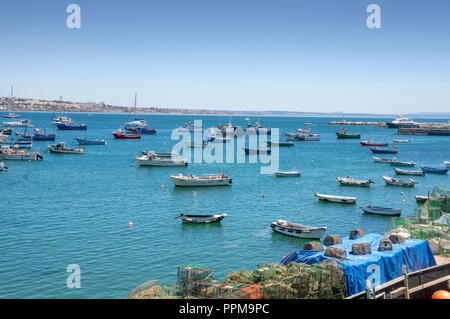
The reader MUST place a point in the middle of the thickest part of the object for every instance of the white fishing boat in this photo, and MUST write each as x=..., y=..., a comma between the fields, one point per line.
x=3, y=167
x=399, y=182
x=400, y=171
x=354, y=182
x=6, y=153
x=400, y=141
x=296, y=173
x=421, y=199
x=152, y=160
x=11, y=115
x=202, y=144
x=20, y=123
x=296, y=230
x=203, y=180
x=60, y=147
x=61, y=120
x=336, y=198
x=158, y=154
x=382, y=210
x=384, y=160
x=202, y=219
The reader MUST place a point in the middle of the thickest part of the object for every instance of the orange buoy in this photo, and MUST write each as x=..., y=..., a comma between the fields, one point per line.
x=130, y=224
x=441, y=294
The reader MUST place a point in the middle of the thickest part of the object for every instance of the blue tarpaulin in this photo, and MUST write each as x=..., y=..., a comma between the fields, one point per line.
x=377, y=267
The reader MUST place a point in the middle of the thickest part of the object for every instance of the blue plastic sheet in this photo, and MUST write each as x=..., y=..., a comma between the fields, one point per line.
x=378, y=267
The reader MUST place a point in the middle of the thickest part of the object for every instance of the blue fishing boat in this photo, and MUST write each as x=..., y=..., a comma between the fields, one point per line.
x=84, y=141
x=384, y=150
x=435, y=170
x=72, y=126
x=43, y=136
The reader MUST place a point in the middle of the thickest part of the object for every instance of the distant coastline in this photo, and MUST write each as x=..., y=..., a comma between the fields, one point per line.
x=39, y=105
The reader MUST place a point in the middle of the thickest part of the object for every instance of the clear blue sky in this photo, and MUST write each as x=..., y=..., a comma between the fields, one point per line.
x=255, y=55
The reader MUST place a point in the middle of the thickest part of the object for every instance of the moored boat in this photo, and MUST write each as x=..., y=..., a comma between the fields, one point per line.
x=21, y=123
x=399, y=182
x=3, y=167
x=400, y=141
x=43, y=135
x=400, y=171
x=16, y=144
x=400, y=163
x=354, y=182
x=85, y=141
x=296, y=173
x=61, y=119
x=297, y=230
x=157, y=154
x=6, y=153
x=382, y=210
x=336, y=198
x=202, y=219
x=249, y=151
x=280, y=144
x=434, y=170
x=384, y=150
x=120, y=134
x=421, y=199
x=447, y=163
x=152, y=160
x=203, y=144
x=370, y=142
x=11, y=115
x=343, y=134
x=71, y=126
x=203, y=180
x=60, y=147
x=401, y=122
x=6, y=130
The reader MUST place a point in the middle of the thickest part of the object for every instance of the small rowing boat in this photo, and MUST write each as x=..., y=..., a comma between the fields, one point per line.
x=201, y=219
x=296, y=230
x=434, y=170
x=85, y=141
x=60, y=147
x=336, y=198
x=400, y=171
x=354, y=182
x=3, y=167
x=384, y=150
x=372, y=143
x=382, y=210
x=400, y=141
x=421, y=199
x=296, y=173
x=399, y=163
x=203, y=180
x=399, y=182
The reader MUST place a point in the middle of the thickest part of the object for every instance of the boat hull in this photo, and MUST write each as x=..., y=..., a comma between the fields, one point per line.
x=352, y=182
x=381, y=151
x=167, y=162
x=202, y=219
x=65, y=127
x=434, y=170
x=348, y=136
x=122, y=136
x=382, y=211
x=399, y=171
x=399, y=182
x=65, y=151
x=180, y=182
x=315, y=233
x=90, y=142
x=288, y=174
x=336, y=199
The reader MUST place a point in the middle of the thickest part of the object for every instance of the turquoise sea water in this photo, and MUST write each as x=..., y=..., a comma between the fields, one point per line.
x=75, y=209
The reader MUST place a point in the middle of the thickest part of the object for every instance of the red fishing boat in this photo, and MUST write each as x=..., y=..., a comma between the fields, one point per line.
x=120, y=134
x=372, y=143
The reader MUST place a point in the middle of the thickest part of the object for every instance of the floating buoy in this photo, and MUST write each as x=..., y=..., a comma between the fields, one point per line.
x=441, y=294
x=132, y=165
x=162, y=186
x=130, y=224
x=303, y=208
x=264, y=196
x=401, y=193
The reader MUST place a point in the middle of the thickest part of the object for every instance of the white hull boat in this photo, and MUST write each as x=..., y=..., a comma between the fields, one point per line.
x=336, y=198
x=354, y=182
x=297, y=230
x=400, y=171
x=399, y=182
x=203, y=180
x=202, y=219
x=288, y=174
x=383, y=160
x=400, y=141
x=146, y=160
x=22, y=123
x=3, y=167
